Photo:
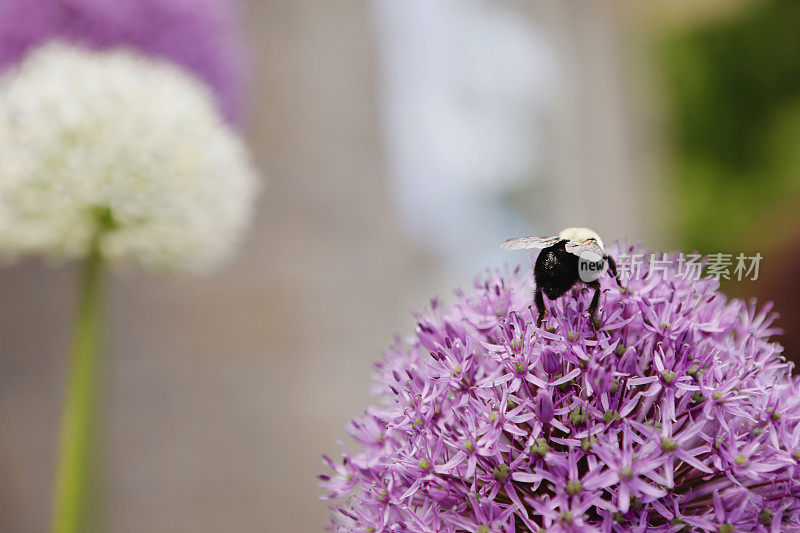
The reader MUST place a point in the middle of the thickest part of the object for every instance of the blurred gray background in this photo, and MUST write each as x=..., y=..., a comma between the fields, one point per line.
x=400, y=142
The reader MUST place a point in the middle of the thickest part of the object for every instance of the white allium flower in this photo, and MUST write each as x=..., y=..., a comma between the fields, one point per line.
x=117, y=143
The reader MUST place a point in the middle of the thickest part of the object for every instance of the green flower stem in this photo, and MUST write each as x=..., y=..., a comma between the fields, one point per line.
x=77, y=471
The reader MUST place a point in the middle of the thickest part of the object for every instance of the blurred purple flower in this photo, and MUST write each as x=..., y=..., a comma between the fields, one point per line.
x=691, y=425
x=200, y=35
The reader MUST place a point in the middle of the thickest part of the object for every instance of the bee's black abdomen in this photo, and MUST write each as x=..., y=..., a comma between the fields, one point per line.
x=556, y=270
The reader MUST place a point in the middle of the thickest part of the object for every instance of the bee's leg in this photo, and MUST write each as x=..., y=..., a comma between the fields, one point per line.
x=595, y=299
x=539, y=306
x=612, y=266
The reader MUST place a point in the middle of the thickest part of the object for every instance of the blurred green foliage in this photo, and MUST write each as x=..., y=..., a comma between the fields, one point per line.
x=734, y=87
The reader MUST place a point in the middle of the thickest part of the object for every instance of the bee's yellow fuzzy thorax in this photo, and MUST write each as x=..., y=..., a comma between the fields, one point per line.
x=580, y=234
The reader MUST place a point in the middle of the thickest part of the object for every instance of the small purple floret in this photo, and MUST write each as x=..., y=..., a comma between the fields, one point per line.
x=551, y=363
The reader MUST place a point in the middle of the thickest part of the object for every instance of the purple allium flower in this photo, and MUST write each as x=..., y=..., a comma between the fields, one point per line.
x=199, y=35
x=679, y=414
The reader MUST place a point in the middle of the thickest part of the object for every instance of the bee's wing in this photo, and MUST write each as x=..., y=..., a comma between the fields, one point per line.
x=580, y=247
x=525, y=243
